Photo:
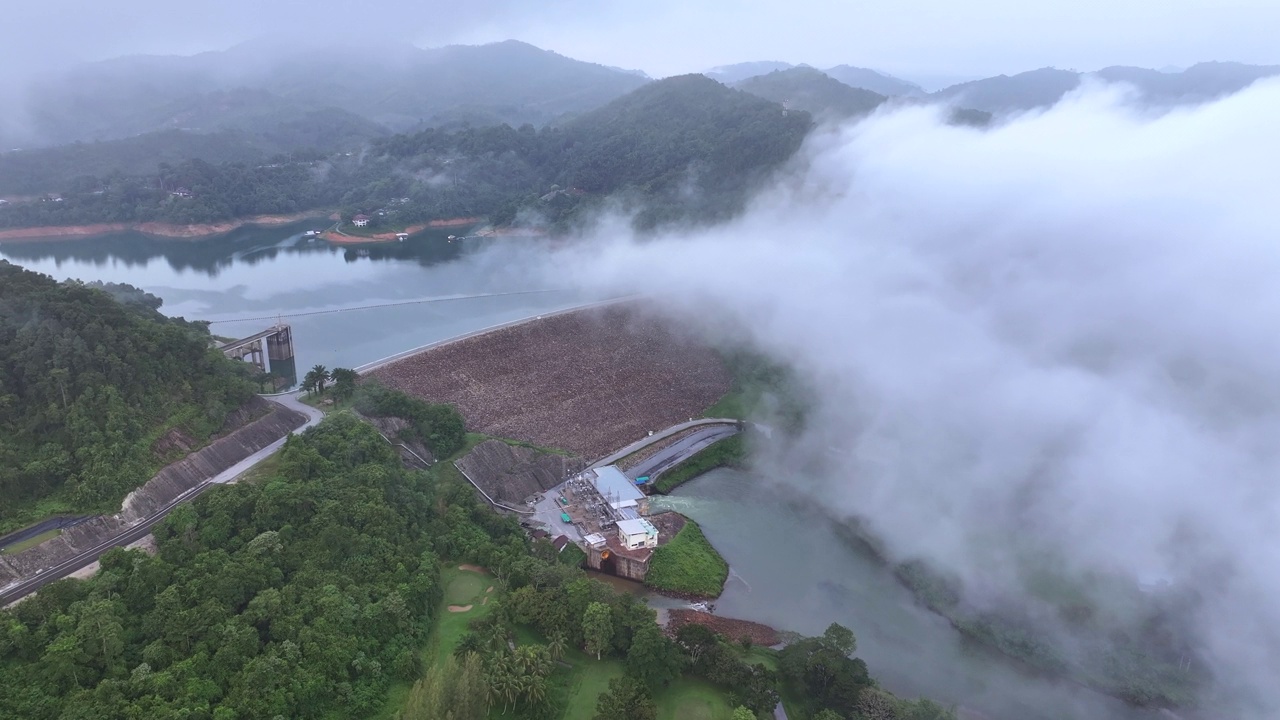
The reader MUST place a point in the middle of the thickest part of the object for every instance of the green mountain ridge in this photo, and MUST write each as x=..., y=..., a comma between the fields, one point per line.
x=815, y=92
x=398, y=86
x=682, y=148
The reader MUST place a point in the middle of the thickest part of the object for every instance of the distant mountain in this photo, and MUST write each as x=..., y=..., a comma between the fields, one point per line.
x=804, y=88
x=1198, y=83
x=875, y=81
x=736, y=73
x=1004, y=93
x=259, y=86
x=1046, y=86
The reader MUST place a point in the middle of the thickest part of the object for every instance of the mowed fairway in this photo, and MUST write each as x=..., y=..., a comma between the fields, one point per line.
x=588, y=680
x=461, y=588
x=692, y=699
x=685, y=699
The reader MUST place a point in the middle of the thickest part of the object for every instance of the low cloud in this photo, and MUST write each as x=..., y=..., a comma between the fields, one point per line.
x=1054, y=339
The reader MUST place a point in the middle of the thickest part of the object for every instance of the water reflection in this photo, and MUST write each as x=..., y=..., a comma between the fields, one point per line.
x=211, y=256
x=348, y=305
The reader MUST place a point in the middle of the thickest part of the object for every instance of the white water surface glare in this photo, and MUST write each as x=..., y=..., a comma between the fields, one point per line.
x=347, y=305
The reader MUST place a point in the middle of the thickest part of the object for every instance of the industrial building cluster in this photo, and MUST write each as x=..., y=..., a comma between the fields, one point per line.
x=604, y=512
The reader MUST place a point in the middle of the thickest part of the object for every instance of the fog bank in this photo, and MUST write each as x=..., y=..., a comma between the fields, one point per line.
x=1050, y=342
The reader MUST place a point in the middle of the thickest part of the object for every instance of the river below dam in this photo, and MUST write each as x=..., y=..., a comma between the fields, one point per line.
x=792, y=570
x=351, y=305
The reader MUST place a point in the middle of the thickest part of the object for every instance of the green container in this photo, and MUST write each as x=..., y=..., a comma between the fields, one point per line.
x=564, y=517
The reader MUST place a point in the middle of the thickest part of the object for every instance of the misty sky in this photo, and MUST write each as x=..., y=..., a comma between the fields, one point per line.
x=664, y=37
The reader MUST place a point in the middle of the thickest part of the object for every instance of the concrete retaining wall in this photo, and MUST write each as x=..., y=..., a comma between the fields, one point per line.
x=159, y=491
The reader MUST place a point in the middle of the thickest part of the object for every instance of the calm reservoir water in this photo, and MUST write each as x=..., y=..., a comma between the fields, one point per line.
x=243, y=281
x=790, y=568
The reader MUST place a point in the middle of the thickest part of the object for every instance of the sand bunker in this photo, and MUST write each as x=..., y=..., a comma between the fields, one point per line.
x=459, y=608
x=490, y=589
x=472, y=568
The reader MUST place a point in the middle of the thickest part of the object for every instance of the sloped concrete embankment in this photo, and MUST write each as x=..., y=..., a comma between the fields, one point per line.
x=169, y=484
x=510, y=474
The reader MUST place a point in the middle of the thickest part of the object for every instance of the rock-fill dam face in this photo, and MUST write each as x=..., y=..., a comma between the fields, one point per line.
x=167, y=485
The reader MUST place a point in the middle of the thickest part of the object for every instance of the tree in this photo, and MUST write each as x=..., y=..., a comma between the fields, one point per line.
x=653, y=658
x=744, y=713
x=840, y=638
x=874, y=704
x=695, y=639
x=315, y=379
x=626, y=699
x=344, y=382
x=557, y=645
x=597, y=627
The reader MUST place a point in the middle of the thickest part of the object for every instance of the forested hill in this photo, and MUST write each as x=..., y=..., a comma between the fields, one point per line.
x=260, y=86
x=683, y=148
x=804, y=88
x=88, y=383
x=692, y=145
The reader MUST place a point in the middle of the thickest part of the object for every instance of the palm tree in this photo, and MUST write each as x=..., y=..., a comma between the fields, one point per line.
x=316, y=378
x=557, y=645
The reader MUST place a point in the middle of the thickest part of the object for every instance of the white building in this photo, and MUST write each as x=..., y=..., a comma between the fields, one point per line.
x=639, y=533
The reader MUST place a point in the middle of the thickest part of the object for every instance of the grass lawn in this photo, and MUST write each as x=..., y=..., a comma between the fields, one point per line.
x=262, y=471
x=736, y=404
x=317, y=400
x=768, y=657
x=692, y=699
x=31, y=542
x=588, y=679
x=688, y=564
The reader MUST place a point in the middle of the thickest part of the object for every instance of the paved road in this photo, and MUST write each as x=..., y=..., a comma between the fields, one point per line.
x=289, y=400
x=660, y=436
x=66, y=567
x=680, y=450
x=60, y=522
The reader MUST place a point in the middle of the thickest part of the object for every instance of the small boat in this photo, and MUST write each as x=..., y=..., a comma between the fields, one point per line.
x=311, y=233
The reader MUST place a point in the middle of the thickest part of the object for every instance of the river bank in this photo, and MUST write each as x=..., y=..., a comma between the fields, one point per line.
x=155, y=229
x=340, y=238
x=804, y=573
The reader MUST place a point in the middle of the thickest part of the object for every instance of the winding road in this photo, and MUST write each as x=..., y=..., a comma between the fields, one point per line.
x=23, y=588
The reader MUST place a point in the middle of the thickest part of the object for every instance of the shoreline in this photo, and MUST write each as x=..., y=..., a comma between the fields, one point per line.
x=201, y=231
x=170, y=231
x=339, y=238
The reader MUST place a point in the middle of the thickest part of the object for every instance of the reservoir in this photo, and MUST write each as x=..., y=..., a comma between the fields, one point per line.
x=348, y=305
x=351, y=305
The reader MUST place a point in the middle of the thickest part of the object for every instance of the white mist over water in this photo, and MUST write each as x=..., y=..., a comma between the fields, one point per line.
x=1055, y=338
